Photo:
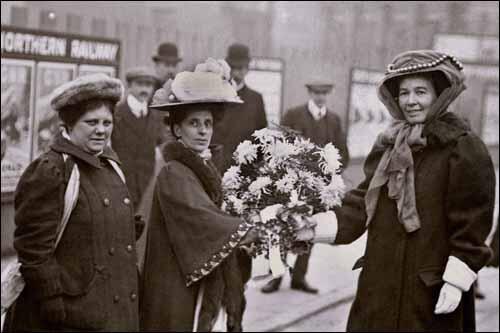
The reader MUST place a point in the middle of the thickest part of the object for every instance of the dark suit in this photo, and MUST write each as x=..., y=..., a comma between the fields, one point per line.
x=134, y=140
x=328, y=129
x=238, y=124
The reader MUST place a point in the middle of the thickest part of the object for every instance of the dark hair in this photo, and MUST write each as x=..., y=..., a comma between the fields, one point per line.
x=177, y=115
x=69, y=115
x=437, y=78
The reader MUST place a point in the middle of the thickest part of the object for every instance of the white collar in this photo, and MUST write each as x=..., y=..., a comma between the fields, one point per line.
x=137, y=107
x=237, y=86
x=315, y=111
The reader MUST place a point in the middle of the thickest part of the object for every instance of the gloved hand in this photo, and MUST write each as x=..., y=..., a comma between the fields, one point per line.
x=250, y=237
x=52, y=310
x=449, y=299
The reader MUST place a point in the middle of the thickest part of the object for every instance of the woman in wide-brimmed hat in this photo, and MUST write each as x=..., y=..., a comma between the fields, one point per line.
x=191, y=279
x=88, y=281
x=427, y=202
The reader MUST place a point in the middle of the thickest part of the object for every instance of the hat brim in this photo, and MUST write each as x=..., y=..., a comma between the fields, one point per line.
x=240, y=62
x=171, y=106
x=320, y=87
x=175, y=60
x=142, y=77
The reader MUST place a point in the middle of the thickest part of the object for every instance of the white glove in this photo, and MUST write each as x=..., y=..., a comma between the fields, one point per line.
x=449, y=298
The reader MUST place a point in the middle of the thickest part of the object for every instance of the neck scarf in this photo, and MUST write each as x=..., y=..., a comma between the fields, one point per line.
x=396, y=167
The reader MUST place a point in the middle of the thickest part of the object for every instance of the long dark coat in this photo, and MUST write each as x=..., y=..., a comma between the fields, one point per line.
x=238, y=124
x=134, y=140
x=189, y=238
x=402, y=272
x=328, y=129
x=94, y=266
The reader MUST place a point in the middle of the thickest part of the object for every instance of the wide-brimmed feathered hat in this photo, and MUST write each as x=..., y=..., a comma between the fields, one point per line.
x=422, y=61
x=84, y=88
x=209, y=83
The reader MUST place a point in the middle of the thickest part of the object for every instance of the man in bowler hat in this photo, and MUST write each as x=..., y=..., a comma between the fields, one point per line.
x=166, y=62
x=316, y=122
x=137, y=131
x=239, y=122
x=239, y=125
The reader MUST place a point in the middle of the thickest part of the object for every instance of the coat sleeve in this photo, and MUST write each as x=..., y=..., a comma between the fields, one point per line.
x=38, y=205
x=200, y=233
x=470, y=201
x=352, y=215
x=340, y=142
x=287, y=119
x=261, y=113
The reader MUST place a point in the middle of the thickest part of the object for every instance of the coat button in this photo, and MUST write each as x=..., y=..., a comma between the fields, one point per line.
x=116, y=299
x=106, y=202
x=111, y=251
x=129, y=248
x=126, y=201
x=133, y=297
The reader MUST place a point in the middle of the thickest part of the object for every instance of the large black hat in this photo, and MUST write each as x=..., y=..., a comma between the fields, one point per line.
x=238, y=55
x=167, y=52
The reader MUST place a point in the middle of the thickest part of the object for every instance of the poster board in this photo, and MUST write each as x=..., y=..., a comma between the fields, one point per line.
x=17, y=119
x=489, y=120
x=34, y=63
x=367, y=116
x=265, y=76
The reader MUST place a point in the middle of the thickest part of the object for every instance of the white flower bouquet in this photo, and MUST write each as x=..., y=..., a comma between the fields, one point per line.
x=285, y=177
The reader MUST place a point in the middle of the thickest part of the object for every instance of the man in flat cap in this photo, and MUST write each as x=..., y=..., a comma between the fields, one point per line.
x=137, y=131
x=166, y=62
x=316, y=122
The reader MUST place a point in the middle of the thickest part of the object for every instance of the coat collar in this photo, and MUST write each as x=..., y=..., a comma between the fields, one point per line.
x=62, y=145
x=445, y=129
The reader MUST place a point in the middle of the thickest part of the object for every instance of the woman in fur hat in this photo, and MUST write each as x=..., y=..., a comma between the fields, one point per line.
x=191, y=280
x=88, y=281
x=427, y=203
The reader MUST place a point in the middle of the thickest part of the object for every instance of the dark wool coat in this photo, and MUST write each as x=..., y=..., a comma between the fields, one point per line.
x=402, y=272
x=134, y=140
x=328, y=129
x=189, y=241
x=238, y=124
x=94, y=266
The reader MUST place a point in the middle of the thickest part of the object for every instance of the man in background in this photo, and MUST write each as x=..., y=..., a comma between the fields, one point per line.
x=319, y=124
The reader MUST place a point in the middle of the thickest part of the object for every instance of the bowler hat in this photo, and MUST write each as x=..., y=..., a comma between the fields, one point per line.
x=238, y=55
x=167, y=52
x=84, y=88
x=319, y=83
x=142, y=73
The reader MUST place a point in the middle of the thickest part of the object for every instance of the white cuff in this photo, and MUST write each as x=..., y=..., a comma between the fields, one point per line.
x=459, y=274
x=326, y=227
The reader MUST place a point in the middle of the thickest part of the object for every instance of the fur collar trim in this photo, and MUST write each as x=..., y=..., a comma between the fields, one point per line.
x=445, y=130
x=206, y=171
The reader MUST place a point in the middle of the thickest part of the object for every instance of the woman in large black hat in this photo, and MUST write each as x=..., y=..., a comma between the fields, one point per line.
x=88, y=281
x=427, y=202
x=191, y=280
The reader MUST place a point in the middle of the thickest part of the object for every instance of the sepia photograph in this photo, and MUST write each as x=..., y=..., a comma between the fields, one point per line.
x=250, y=166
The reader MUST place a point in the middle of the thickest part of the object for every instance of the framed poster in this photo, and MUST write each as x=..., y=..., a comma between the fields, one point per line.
x=49, y=76
x=17, y=105
x=265, y=76
x=367, y=116
x=92, y=69
x=489, y=121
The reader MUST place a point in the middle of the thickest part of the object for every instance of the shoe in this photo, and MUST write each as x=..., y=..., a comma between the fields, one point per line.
x=271, y=286
x=304, y=286
x=479, y=294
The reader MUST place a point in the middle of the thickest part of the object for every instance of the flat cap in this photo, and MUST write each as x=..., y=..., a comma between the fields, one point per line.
x=84, y=88
x=319, y=83
x=143, y=73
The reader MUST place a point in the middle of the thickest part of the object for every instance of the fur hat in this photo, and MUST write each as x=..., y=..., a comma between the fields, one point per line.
x=84, y=88
x=209, y=83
